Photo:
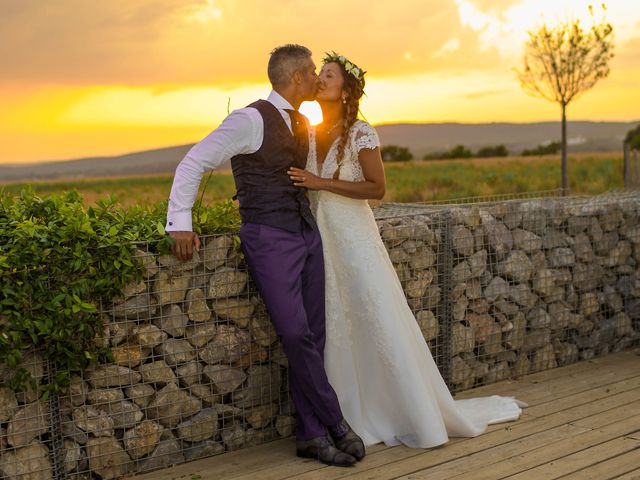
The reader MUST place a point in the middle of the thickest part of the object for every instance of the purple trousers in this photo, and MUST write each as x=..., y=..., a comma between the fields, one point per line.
x=288, y=269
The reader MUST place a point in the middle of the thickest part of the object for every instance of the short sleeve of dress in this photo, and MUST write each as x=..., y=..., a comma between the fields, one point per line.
x=366, y=137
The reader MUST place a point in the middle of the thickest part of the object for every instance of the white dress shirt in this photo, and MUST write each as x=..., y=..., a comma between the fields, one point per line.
x=242, y=132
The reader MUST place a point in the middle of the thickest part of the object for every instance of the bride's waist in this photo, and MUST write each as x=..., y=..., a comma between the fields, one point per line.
x=326, y=197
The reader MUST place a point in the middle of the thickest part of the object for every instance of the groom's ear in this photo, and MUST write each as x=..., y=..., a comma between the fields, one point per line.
x=296, y=78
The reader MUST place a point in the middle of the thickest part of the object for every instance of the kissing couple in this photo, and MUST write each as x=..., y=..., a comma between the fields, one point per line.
x=360, y=371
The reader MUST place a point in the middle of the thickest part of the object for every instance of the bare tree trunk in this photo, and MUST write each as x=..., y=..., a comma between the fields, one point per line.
x=563, y=162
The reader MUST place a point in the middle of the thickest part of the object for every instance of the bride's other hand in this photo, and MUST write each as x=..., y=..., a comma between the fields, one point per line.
x=303, y=178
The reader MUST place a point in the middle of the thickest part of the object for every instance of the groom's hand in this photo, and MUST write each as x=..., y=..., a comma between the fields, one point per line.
x=183, y=244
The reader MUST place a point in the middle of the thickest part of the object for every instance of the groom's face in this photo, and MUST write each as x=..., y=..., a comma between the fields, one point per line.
x=309, y=84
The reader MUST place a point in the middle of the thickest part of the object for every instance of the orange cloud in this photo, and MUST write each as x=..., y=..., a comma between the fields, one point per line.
x=83, y=78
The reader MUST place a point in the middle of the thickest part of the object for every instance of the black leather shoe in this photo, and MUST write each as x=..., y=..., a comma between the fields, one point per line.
x=347, y=440
x=321, y=449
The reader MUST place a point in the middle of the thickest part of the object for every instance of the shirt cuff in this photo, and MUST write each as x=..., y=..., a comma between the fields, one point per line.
x=179, y=222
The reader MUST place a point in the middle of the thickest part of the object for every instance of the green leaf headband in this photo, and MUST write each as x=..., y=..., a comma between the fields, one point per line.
x=350, y=67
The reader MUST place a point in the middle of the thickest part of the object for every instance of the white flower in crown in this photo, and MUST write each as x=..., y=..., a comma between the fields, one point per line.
x=350, y=67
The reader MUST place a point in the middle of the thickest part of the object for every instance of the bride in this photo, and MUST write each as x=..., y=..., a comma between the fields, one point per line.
x=376, y=358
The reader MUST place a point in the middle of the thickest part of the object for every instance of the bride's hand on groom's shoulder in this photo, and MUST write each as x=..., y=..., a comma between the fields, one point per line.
x=183, y=243
x=303, y=178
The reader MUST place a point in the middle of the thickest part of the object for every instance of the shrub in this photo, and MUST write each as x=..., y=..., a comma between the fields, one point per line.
x=395, y=153
x=496, y=151
x=633, y=138
x=58, y=261
x=545, y=149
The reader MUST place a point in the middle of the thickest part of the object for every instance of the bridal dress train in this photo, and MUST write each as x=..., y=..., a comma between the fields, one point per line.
x=377, y=360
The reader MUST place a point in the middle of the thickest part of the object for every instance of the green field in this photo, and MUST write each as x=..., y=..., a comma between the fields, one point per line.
x=418, y=181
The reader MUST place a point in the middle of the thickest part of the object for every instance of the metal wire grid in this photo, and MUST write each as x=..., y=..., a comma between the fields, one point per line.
x=541, y=283
x=27, y=435
x=416, y=247
x=197, y=369
x=499, y=289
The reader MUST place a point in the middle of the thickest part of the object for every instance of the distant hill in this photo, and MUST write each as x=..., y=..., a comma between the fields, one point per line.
x=158, y=161
x=419, y=138
x=436, y=137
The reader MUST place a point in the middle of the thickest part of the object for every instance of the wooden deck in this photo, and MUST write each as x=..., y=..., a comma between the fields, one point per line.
x=583, y=422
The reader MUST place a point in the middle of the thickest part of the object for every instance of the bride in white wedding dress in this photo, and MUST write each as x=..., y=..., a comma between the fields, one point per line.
x=376, y=358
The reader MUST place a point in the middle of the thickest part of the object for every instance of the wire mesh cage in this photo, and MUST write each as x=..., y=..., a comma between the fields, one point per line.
x=26, y=427
x=197, y=369
x=500, y=287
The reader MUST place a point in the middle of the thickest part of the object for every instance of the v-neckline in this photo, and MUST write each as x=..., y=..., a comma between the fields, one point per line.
x=319, y=165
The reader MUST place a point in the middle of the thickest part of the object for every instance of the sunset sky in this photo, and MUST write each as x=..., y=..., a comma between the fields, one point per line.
x=81, y=78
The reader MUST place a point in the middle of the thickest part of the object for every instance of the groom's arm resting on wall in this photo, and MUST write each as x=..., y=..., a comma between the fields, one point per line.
x=240, y=133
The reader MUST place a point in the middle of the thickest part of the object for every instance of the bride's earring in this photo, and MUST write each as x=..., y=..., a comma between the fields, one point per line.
x=344, y=99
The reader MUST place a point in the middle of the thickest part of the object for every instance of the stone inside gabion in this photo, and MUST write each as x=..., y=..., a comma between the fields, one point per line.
x=499, y=290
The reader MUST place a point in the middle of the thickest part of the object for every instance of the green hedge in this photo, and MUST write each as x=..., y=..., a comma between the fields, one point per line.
x=59, y=260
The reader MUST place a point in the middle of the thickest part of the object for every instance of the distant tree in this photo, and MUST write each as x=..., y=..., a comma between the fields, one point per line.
x=633, y=138
x=563, y=61
x=459, y=151
x=434, y=156
x=496, y=151
x=395, y=153
x=545, y=149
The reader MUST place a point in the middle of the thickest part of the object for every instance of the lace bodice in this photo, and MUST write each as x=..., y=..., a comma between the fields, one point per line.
x=362, y=135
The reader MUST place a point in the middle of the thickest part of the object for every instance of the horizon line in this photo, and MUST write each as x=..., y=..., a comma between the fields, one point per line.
x=9, y=163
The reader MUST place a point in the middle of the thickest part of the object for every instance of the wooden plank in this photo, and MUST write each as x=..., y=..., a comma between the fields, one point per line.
x=584, y=459
x=635, y=436
x=632, y=475
x=612, y=415
x=227, y=464
x=456, y=448
x=576, y=404
x=517, y=457
x=613, y=362
x=472, y=454
x=615, y=468
x=539, y=392
x=296, y=466
x=300, y=470
x=584, y=397
x=456, y=461
x=542, y=394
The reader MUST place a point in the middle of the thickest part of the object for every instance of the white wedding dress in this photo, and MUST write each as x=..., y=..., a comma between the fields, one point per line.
x=377, y=360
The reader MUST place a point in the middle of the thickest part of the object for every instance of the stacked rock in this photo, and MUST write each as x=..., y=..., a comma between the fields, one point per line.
x=503, y=289
x=533, y=284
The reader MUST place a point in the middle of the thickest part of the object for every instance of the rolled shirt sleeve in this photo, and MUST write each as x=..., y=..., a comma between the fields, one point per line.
x=240, y=133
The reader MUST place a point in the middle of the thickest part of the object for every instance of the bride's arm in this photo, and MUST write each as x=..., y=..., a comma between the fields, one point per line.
x=373, y=186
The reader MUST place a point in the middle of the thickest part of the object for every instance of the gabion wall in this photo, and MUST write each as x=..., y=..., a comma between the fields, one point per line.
x=499, y=289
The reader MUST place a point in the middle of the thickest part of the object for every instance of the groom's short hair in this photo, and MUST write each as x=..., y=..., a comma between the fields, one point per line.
x=285, y=61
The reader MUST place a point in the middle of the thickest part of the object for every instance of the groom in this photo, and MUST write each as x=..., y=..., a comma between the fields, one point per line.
x=279, y=238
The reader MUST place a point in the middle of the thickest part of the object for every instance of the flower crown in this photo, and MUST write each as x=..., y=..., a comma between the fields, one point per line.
x=350, y=67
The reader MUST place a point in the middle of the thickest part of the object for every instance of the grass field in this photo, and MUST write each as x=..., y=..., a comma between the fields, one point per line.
x=417, y=181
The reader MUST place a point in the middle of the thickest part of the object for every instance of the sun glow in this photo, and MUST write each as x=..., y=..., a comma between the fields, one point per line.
x=146, y=77
x=312, y=111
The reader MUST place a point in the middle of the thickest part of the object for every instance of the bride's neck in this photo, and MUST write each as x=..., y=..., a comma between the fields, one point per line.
x=331, y=112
